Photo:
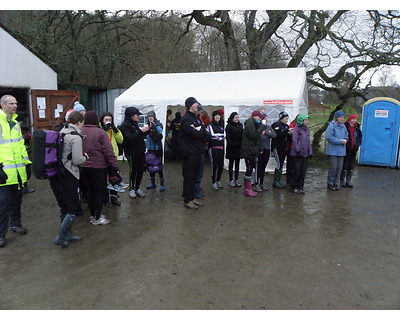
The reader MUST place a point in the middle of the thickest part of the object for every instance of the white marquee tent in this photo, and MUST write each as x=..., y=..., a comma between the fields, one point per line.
x=268, y=90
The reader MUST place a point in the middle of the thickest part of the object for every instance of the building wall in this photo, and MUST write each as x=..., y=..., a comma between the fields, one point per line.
x=21, y=68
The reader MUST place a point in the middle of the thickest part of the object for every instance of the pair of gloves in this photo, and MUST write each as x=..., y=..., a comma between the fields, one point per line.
x=109, y=126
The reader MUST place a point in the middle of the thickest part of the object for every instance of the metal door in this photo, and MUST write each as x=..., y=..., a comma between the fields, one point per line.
x=50, y=106
x=380, y=134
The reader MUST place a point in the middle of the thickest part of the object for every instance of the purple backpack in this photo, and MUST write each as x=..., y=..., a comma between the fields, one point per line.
x=47, y=150
x=153, y=164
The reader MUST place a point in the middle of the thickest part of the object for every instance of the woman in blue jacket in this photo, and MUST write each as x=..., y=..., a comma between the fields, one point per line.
x=336, y=136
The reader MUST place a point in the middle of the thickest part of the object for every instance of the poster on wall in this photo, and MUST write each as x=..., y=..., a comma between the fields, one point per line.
x=42, y=114
x=41, y=103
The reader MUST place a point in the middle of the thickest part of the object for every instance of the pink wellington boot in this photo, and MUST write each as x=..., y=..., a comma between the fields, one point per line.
x=248, y=191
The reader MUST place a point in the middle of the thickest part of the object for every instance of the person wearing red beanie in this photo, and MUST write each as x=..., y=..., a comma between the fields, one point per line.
x=355, y=138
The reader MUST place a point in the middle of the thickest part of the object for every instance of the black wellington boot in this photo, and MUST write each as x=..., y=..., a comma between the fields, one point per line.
x=348, y=179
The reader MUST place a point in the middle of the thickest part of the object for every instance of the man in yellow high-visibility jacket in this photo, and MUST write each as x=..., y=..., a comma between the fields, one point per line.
x=13, y=158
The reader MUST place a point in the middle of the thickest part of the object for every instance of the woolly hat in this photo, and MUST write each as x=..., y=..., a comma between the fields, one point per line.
x=353, y=116
x=91, y=118
x=190, y=101
x=131, y=111
x=221, y=112
x=301, y=118
x=283, y=114
x=78, y=107
x=151, y=114
x=338, y=114
x=256, y=113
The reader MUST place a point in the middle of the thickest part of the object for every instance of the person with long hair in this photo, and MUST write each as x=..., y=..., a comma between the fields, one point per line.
x=134, y=148
x=216, y=149
x=115, y=136
x=233, y=132
x=94, y=171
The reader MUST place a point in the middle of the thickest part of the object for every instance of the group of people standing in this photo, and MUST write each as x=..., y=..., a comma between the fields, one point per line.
x=92, y=145
x=254, y=143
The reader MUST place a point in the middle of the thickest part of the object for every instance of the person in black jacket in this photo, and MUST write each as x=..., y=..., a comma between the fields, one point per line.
x=134, y=148
x=355, y=139
x=233, y=131
x=192, y=136
x=216, y=149
x=279, y=145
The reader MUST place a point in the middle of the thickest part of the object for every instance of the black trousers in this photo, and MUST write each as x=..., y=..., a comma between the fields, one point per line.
x=96, y=184
x=10, y=207
x=263, y=159
x=250, y=165
x=280, y=155
x=190, y=170
x=217, y=163
x=300, y=170
x=236, y=163
x=66, y=192
x=136, y=164
x=349, y=160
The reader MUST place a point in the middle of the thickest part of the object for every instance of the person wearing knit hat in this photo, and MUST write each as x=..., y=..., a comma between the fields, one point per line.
x=192, y=135
x=336, y=136
x=95, y=170
x=301, y=151
x=279, y=146
x=79, y=107
x=355, y=139
x=155, y=146
x=134, y=147
x=249, y=148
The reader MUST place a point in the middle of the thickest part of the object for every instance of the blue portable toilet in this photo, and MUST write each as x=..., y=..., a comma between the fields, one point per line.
x=380, y=129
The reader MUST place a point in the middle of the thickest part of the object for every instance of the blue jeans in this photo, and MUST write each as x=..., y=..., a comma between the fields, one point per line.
x=10, y=207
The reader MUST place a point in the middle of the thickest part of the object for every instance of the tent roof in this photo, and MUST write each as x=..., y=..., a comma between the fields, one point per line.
x=222, y=88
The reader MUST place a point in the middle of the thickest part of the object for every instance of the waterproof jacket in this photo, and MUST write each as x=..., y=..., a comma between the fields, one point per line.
x=265, y=139
x=150, y=143
x=115, y=139
x=250, y=147
x=301, y=142
x=98, y=147
x=282, y=135
x=234, y=132
x=13, y=153
x=217, y=133
x=334, y=135
x=72, y=145
x=192, y=135
x=357, y=137
x=133, y=144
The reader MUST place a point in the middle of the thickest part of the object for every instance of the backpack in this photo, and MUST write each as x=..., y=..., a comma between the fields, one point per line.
x=153, y=164
x=47, y=150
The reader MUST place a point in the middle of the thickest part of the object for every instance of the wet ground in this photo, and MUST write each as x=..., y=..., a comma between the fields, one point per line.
x=322, y=250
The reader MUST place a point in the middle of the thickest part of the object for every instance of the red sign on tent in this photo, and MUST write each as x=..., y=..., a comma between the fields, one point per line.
x=278, y=101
